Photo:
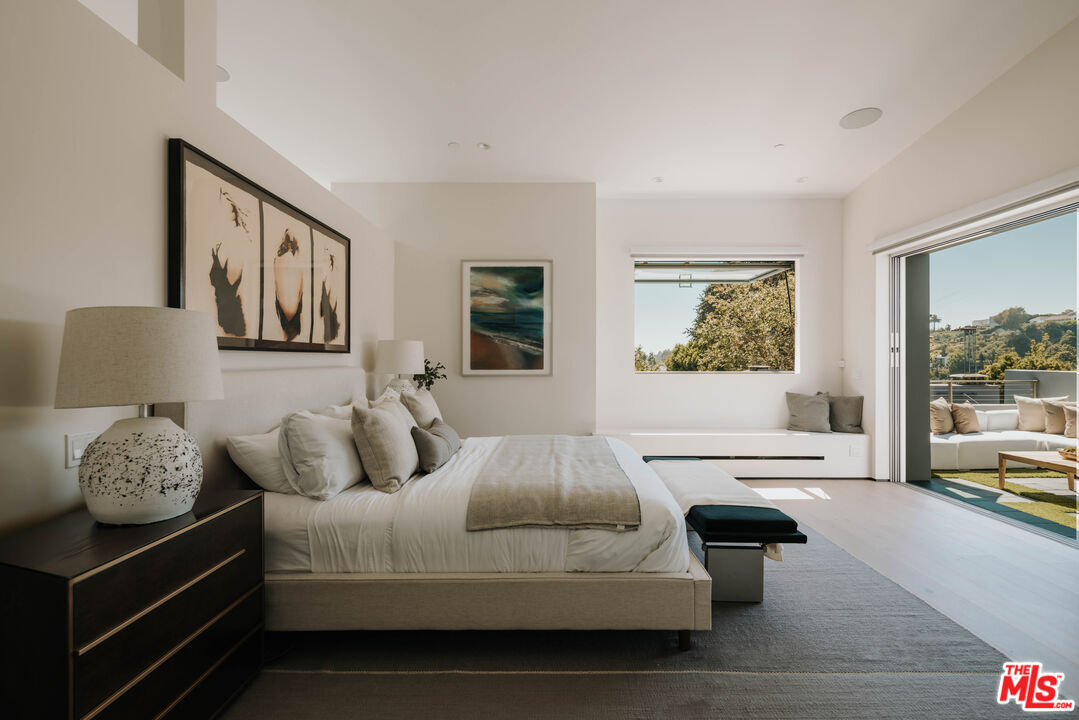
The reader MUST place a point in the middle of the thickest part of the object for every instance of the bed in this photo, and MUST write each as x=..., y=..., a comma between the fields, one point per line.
x=647, y=581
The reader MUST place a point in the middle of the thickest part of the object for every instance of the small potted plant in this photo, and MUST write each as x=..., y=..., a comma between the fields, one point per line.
x=431, y=374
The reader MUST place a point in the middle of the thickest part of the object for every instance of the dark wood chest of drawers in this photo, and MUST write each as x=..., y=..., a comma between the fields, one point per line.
x=151, y=621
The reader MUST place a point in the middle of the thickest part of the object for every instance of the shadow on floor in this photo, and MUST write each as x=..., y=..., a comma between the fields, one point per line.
x=986, y=499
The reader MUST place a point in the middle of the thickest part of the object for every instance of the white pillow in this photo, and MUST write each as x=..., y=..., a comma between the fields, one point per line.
x=260, y=459
x=318, y=454
x=341, y=412
x=423, y=407
x=388, y=395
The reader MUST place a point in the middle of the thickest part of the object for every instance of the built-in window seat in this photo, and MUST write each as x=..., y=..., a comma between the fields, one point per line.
x=752, y=453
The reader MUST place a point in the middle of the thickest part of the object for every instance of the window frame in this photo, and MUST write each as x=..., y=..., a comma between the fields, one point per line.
x=793, y=257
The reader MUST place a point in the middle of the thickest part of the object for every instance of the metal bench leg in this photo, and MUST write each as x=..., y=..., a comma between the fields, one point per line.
x=737, y=572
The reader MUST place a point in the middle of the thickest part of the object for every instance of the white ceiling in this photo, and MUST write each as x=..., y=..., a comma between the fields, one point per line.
x=613, y=91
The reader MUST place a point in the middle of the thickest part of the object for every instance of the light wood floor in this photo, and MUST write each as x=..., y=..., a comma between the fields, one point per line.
x=1016, y=590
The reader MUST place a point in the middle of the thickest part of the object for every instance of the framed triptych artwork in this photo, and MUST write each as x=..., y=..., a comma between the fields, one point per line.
x=272, y=276
x=506, y=317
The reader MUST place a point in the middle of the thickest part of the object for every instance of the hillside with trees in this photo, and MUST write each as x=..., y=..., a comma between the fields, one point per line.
x=1012, y=339
x=737, y=327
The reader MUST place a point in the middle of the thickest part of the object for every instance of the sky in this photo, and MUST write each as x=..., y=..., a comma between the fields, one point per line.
x=1033, y=267
x=662, y=312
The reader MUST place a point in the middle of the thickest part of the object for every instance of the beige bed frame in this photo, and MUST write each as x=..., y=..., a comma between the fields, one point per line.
x=256, y=401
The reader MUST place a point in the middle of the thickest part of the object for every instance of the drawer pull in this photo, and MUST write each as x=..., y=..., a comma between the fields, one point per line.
x=150, y=608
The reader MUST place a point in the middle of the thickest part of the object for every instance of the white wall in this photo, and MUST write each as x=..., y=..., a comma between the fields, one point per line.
x=85, y=117
x=1022, y=128
x=625, y=399
x=436, y=226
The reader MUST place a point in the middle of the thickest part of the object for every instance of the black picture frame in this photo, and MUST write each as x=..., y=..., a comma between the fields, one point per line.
x=210, y=233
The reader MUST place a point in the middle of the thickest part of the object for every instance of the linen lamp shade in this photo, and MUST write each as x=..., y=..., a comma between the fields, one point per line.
x=143, y=469
x=399, y=357
x=137, y=356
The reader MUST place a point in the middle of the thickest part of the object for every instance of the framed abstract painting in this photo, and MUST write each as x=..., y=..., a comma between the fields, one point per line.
x=272, y=276
x=506, y=317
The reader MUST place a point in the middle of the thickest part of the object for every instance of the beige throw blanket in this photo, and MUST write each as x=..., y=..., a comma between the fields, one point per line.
x=553, y=481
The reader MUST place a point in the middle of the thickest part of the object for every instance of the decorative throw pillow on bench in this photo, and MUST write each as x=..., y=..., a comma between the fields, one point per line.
x=845, y=413
x=825, y=413
x=808, y=413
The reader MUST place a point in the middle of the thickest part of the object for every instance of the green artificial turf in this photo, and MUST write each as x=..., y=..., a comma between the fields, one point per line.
x=1046, y=505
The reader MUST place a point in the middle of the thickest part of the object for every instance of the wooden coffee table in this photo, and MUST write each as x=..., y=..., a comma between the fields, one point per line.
x=1046, y=459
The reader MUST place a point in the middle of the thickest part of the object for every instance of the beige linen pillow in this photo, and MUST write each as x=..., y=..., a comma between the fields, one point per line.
x=1069, y=421
x=1032, y=412
x=1054, y=416
x=966, y=419
x=940, y=417
x=423, y=407
x=383, y=436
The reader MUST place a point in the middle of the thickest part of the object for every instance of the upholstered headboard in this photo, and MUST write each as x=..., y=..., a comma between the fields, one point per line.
x=255, y=401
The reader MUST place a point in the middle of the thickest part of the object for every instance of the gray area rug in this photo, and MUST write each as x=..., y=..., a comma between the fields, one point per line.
x=832, y=639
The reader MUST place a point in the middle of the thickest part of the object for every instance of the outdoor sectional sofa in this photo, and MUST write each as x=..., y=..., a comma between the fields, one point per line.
x=978, y=451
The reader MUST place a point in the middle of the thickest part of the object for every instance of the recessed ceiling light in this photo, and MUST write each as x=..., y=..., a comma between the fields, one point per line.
x=221, y=74
x=779, y=146
x=483, y=146
x=453, y=144
x=860, y=118
x=804, y=179
x=657, y=179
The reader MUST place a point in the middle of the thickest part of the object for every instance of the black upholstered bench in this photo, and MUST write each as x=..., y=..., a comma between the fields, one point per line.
x=733, y=539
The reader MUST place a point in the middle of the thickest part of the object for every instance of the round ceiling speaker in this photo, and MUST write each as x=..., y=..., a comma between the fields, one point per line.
x=860, y=118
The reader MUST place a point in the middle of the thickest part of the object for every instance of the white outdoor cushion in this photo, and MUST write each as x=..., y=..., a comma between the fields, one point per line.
x=260, y=459
x=318, y=454
x=943, y=452
x=1054, y=442
x=999, y=419
x=979, y=450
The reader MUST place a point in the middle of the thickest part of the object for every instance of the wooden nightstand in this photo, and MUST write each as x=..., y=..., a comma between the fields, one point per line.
x=148, y=621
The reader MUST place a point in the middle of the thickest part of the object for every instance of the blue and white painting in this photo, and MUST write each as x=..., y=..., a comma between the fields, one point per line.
x=507, y=318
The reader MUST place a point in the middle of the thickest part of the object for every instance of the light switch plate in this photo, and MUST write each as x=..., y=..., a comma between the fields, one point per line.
x=74, y=446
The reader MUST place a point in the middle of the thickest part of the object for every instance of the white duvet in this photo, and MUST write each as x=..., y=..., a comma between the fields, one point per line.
x=421, y=528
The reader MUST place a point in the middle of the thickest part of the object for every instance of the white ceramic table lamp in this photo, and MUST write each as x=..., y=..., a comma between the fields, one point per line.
x=400, y=357
x=143, y=469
